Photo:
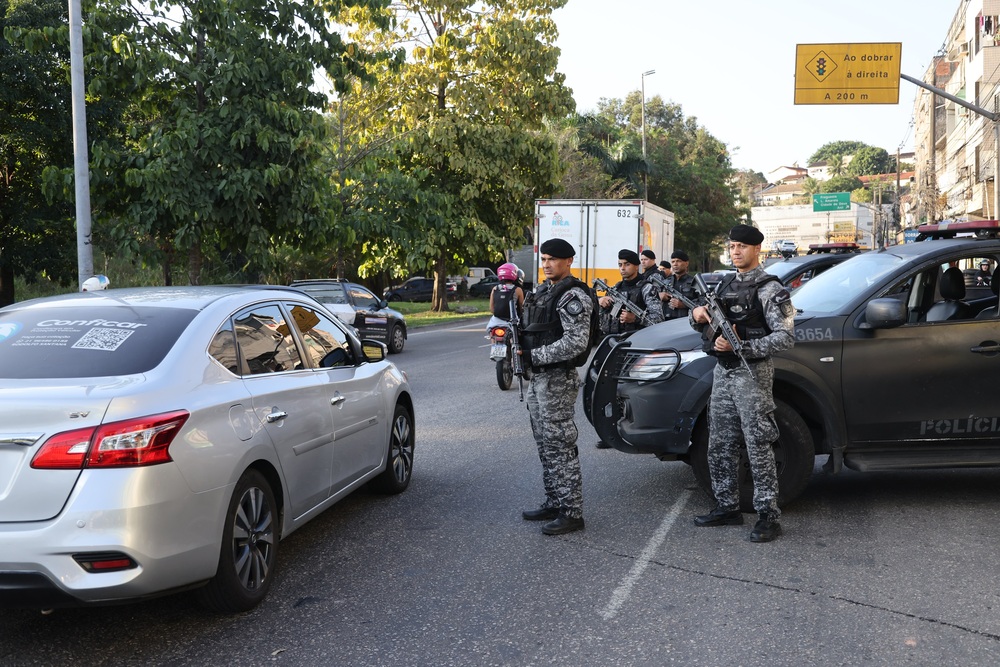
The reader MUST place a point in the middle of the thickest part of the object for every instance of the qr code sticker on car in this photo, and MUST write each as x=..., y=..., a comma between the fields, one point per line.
x=108, y=340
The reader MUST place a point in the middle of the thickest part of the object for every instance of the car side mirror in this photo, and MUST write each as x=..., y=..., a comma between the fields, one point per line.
x=884, y=314
x=374, y=350
x=383, y=304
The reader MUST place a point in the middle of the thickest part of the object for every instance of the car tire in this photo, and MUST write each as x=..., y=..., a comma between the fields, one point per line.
x=399, y=459
x=794, y=457
x=394, y=297
x=397, y=339
x=249, y=548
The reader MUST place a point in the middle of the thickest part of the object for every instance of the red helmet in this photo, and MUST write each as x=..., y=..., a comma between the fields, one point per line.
x=507, y=271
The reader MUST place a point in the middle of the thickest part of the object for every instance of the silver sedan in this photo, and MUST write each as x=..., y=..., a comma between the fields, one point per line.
x=158, y=439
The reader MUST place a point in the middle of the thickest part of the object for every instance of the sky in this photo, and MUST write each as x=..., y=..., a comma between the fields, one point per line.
x=731, y=65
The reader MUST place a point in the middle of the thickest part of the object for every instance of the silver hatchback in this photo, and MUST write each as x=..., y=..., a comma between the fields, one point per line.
x=158, y=439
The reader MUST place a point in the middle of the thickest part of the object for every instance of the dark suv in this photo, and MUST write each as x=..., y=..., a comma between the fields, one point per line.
x=796, y=270
x=358, y=307
x=883, y=375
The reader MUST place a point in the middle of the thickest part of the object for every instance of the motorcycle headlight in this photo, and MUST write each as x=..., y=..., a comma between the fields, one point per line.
x=659, y=365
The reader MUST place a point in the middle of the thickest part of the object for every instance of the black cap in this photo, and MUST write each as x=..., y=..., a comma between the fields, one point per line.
x=630, y=256
x=681, y=255
x=746, y=234
x=649, y=254
x=558, y=248
x=665, y=264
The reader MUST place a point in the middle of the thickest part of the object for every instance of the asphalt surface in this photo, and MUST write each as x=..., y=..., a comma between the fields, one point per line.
x=873, y=569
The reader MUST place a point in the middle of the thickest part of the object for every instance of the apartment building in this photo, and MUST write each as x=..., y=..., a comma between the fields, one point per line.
x=956, y=149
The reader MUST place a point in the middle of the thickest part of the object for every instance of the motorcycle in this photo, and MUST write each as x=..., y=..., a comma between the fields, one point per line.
x=499, y=336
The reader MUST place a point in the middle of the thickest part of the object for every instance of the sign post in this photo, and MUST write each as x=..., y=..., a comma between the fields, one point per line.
x=847, y=73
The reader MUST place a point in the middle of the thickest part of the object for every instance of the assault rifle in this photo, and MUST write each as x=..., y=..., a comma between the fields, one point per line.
x=719, y=324
x=515, y=347
x=661, y=283
x=622, y=301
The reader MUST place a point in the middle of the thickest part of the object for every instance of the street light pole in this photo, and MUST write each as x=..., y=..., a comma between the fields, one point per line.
x=644, y=165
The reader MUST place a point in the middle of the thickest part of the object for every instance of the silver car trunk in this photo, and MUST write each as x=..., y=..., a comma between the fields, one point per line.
x=29, y=417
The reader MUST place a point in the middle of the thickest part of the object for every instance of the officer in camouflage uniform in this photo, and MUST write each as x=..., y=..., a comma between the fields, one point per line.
x=616, y=319
x=556, y=341
x=742, y=403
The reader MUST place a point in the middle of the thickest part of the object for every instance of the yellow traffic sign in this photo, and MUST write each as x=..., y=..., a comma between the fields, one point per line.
x=847, y=73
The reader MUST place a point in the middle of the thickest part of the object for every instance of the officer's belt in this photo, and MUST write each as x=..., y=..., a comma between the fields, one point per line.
x=733, y=362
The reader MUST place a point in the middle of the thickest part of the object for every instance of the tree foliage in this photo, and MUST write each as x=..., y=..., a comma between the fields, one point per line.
x=35, y=131
x=845, y=183
x=226, y=133
x=465, y=114
x=830, y=152
x=870, y=160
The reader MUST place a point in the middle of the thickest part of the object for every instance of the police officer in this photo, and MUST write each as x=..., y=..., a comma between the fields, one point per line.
x=647, y=263
x=556, y=341
x=742, y=403
x=683, y=282
x=616, y=319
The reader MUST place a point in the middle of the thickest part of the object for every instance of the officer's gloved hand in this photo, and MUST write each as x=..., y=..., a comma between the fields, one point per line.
x=525, y=356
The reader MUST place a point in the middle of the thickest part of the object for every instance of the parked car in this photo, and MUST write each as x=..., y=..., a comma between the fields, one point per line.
x=484, y=287
x=795, y=270
x=416, y=288
x=158, y=439
x=882, y=375
x=355, y=305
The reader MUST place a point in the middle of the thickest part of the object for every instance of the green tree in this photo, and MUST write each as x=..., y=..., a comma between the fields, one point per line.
x=834, y=149
x=467, y=112
x=36, y=236
x=870, y=160
x=841, y=184
x=224, y=151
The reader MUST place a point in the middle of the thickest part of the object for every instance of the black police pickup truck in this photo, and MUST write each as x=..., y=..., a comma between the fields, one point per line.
x=883, y=375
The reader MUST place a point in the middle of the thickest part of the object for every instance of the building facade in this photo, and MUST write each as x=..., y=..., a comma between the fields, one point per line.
x=956, y=148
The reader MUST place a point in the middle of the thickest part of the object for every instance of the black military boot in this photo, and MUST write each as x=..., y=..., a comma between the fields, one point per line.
x=719, y=517
x=765, y=529
x=541, y=514
x=602, y=445
x=562, y=524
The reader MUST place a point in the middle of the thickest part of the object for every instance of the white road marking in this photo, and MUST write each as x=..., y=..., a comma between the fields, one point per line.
x=624, y=589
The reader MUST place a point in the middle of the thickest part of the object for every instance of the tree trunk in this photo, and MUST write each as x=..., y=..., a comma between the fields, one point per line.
x=6, y=285
x=194, y=265
x=439, y=300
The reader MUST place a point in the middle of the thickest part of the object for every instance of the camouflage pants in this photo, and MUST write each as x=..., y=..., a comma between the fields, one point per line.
x=551, y=405
x=742, y=410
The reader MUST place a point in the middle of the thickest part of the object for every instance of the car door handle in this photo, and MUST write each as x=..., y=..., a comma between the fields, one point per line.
x=337, y=399
x=988, y=347
x=278, y=415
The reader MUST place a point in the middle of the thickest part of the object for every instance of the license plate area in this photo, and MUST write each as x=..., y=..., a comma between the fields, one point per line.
x=498, y=351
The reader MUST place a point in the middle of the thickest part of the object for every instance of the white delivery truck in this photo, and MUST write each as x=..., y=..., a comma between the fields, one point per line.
x=598, y=229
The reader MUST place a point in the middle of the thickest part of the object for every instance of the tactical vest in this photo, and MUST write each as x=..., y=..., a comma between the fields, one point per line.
x=685, y=285
x=740, y=302
x=542, y=325
x=503, y=295
x=634, y=294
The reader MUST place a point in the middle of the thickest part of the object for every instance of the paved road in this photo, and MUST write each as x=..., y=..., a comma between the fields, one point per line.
x=879, y=569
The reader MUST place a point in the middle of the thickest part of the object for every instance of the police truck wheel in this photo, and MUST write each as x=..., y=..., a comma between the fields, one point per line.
x=794, y=457
x=396, y=339
x=505, y=374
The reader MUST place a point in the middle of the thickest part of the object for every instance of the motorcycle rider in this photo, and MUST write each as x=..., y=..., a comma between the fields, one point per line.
x=504, y=293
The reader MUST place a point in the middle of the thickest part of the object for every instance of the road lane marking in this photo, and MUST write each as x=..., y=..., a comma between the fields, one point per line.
x=624, y=589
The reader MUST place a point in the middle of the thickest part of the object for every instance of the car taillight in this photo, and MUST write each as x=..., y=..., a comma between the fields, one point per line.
x=143, y=441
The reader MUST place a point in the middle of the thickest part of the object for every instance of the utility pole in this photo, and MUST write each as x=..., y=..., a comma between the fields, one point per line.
x=645, y=167
x=81, y=161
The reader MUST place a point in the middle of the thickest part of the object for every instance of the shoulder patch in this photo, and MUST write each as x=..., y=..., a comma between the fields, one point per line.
x=572, y=305
x=783, y=300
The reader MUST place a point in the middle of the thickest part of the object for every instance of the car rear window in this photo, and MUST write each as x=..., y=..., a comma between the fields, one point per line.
x=95, y=341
